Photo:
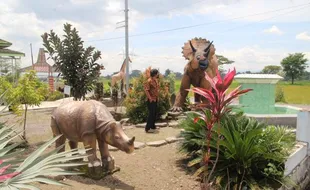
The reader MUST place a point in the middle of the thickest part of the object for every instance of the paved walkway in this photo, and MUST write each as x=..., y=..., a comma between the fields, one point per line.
x=54, y=104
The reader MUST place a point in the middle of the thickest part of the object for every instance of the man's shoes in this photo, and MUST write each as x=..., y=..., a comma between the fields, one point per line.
x=152, y=131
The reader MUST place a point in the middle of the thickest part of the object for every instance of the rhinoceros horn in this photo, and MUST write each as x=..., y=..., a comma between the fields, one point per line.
x=193, y=49
x=130, y=142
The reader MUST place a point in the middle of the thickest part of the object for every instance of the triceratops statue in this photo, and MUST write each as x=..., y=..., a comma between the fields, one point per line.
x=202, y=60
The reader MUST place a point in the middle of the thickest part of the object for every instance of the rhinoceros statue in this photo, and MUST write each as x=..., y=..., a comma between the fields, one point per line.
x=88, y=122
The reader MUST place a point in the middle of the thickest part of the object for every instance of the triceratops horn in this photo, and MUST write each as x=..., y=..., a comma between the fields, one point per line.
x=193, y=49
x=208, y=47
x=130, y=142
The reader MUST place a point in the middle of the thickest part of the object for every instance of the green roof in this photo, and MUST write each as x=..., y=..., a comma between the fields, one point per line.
x=4, y=44
x=8, y=52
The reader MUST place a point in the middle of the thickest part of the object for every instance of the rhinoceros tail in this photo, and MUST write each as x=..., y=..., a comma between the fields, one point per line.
x=54, y=127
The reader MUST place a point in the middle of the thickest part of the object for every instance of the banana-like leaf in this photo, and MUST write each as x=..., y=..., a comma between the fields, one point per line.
x=11, y=155
x=8, y=139
x=35, y=154
x=4, y=151
x=21, y=186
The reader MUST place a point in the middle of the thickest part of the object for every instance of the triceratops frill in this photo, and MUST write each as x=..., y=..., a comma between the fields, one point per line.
x=202, y=60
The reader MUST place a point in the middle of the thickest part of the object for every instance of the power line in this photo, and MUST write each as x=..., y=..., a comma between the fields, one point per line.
x=202, y=24
x=265, y=19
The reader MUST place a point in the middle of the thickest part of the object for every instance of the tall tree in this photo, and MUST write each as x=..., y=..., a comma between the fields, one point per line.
x=167, y=72
x=294, y=65
x=222, y=61
x=77, y=64
x=135, y=73
x=271, y=69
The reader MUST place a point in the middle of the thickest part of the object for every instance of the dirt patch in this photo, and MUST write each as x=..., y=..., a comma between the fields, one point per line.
x=149, y=168
x=142, y=136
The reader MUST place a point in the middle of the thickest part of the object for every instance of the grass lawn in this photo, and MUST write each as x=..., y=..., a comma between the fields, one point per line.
x=298, y=93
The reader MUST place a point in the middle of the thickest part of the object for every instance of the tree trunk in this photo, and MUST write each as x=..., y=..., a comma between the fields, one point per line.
x=292, y=80
x=25, y=117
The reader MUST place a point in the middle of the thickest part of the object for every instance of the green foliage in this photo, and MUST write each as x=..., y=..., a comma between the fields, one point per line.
x=171, y=79
x=279, y=95
x=77, y=64
x=223, y=60
x=135, y=73
x=5, y=91
x=30, y=90
x=34, y=167
x=55, y=95
x=167, y=72
x=294, y=65
x=107, y=92
x=251, y=153
x=99, y=90
x=136, y=100
x=271, y=69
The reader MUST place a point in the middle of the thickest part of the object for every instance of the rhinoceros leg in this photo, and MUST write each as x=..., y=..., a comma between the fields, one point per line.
x=107, y=160
x=94, y=164
x=60, y=141
x=73, y=145
x=89, y=141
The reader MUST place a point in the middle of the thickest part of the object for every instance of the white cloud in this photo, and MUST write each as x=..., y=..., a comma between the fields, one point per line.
x=253, y=58
x=23, y=25
x=244, y=10
x=303, y=36
x=273, y=30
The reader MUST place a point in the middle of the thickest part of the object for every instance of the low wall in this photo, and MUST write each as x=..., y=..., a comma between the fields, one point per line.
x=300, y=175
x=297, y=167
x=276, y=119
x=286, y=120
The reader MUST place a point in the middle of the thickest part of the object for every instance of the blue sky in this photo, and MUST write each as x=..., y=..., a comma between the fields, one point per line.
x=251, y=41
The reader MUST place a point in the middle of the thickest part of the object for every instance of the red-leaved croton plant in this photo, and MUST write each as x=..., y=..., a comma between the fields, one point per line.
x=217, y=104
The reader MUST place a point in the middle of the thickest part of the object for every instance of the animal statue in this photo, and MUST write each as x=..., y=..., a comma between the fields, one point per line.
x=202, y=60
x=88, y=122
x=120, y=76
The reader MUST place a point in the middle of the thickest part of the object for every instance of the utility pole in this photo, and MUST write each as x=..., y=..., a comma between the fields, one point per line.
x=127, y=45
x=31, y=56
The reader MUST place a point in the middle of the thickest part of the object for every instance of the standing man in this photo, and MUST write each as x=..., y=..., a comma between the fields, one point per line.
x=151, y=88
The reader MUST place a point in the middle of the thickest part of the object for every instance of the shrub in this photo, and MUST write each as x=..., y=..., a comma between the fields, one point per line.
x=171, y=79
x=232, y=151
x=251, y=155
x=280, y=95
x=135, y=102
x=55, y=95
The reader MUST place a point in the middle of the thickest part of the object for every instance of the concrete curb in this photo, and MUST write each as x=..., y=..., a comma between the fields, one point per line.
x=159, y=143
